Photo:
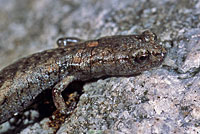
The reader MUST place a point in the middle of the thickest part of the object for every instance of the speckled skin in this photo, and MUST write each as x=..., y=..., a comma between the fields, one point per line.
x=74, y=59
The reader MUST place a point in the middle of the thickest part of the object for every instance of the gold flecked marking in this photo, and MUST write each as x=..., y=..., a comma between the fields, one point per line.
x=93, y=44
x=77, y=60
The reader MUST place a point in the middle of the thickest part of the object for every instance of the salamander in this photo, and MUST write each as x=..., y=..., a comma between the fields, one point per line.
x=75, y=59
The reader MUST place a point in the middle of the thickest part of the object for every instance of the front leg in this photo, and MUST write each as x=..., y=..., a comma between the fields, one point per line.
x=66, y=41
x=57, y=96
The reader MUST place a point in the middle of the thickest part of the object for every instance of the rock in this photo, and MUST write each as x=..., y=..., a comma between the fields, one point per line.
x=162, y=100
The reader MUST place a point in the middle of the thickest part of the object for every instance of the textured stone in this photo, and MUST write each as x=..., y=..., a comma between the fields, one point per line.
x=163, y=100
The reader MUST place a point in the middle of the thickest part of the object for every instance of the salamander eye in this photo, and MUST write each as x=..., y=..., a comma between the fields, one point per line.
x=142, y=57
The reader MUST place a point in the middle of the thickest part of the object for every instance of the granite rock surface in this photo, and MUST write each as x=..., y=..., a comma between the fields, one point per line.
x=163, y=100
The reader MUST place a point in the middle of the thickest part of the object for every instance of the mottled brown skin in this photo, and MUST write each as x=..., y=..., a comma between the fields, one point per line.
x=74, y=59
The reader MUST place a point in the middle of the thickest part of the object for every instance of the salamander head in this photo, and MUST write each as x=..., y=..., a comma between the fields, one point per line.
x=143, y=54
x=125, y=55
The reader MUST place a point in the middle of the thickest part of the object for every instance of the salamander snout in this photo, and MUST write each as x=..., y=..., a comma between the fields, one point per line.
x=148, y=57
